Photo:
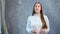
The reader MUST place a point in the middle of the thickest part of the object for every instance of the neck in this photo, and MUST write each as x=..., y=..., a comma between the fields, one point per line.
x=38, y=14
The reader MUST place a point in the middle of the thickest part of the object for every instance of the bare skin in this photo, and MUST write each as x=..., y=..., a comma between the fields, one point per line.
x=34, y=31
x=37, y=10
x=42, y=31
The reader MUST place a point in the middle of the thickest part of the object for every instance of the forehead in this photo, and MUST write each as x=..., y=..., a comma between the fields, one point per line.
x=38, y=4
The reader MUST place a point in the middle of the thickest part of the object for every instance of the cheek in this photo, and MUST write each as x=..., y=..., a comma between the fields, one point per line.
x=39, y=8
x=35, y=8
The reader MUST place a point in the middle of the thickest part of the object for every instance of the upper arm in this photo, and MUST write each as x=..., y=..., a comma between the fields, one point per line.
x=28, y=25
x=47, y=23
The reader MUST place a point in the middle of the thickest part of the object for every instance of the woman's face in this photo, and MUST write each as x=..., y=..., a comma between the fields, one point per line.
x=37, y=8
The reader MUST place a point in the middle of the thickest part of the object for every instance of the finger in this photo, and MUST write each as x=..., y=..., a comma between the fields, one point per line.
x=34, y=32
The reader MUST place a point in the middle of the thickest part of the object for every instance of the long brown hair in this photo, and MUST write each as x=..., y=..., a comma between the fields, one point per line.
x=42, y=18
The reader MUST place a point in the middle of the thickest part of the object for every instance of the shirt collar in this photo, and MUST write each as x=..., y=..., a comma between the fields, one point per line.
x=36, y=15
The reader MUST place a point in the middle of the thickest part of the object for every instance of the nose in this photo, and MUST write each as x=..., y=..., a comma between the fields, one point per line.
x=37, y=7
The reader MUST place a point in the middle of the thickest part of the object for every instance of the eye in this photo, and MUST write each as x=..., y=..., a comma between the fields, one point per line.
x=35, y=6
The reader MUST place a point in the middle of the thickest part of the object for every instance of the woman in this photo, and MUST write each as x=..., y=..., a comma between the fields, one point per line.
x=37, y=23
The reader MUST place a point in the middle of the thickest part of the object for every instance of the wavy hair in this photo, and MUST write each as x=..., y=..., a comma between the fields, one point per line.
x=42, y=18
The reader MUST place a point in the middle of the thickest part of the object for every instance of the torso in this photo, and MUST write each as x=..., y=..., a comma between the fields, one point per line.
x=36, y=22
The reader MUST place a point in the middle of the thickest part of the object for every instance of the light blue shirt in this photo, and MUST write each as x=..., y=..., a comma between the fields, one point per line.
x=34, y=22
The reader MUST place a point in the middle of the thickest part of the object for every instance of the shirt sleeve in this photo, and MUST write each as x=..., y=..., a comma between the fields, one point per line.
x=28, y=25
x=47, y=23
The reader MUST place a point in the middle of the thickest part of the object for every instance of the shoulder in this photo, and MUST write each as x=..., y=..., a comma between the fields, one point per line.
x=30, y=17
x=45, y=16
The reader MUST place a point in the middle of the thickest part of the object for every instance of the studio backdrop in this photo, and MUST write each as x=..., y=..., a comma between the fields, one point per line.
x=17, y=12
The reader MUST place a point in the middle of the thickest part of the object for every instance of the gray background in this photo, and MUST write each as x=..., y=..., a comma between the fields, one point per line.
x=17, y=11
x=0, y=16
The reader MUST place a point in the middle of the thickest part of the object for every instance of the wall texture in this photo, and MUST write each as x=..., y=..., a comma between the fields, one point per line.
x=17, y=11
x=0, y=16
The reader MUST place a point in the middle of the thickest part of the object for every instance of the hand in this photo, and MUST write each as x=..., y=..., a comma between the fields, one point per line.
x=34, y=31
x=42, y=31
